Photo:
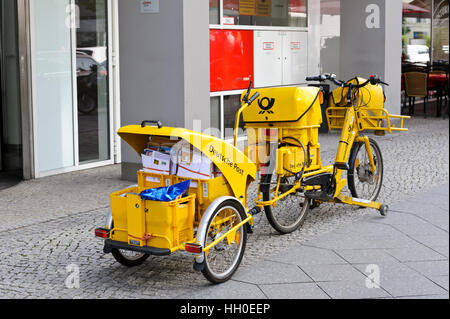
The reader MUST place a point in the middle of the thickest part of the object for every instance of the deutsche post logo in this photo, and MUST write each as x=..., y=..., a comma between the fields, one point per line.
x=266, y=105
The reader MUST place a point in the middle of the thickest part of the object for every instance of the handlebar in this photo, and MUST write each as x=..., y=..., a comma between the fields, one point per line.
x=373, y=79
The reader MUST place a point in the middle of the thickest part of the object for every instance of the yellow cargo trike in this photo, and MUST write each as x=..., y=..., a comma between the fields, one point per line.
x=211, y=222
x=283, y=140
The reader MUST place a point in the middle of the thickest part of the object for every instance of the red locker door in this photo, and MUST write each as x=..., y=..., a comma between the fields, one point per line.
x=231, y=59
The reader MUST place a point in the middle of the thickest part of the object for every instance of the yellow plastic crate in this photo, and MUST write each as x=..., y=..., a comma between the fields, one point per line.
x=291, y=159
x=206, y=192
x=148, y=180
x=141, y=223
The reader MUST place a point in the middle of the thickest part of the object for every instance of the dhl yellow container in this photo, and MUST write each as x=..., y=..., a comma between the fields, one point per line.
x=291, y=160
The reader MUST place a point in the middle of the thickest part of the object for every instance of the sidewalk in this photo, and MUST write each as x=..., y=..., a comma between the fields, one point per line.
x=409, y=249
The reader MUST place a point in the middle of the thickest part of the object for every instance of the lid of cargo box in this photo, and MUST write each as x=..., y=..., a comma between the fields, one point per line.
x=286, y=104
x=235, y=166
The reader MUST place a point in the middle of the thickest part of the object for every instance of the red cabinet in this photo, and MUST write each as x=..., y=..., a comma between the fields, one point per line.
x=231, y=59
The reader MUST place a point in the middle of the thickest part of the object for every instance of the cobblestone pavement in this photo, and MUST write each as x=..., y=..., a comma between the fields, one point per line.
x=47, y=225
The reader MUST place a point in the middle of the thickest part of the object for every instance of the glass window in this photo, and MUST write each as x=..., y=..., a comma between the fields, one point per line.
x=440, y=30
x=280, y=13
x=51, y=50
x=231, y=105
x=214, y=12
x=92, y=81
x=215, y=113
x=416, y=33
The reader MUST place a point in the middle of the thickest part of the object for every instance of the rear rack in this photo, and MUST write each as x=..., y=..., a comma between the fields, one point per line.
x=369, y=119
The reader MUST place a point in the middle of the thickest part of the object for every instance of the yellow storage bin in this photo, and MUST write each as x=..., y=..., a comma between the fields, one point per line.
x=148, y=180
x=291, y=159
x=206, y=192
x=169, y=225
x=287, y=107
x=141, y=223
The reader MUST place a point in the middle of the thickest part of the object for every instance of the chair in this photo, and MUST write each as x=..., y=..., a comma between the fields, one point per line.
x=416, y=86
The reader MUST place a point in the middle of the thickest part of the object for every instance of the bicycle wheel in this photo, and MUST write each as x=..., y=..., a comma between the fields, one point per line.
x=129, y=258
x=222, y=261
x=362, y=182
x=290, y=212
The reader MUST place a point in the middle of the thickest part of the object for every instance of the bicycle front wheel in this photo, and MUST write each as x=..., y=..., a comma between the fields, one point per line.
x=362, y=182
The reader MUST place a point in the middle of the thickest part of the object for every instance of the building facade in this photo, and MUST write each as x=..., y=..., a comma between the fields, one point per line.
x=74, y=71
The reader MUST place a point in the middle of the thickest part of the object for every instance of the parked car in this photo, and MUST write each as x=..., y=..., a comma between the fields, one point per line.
x=418, y=53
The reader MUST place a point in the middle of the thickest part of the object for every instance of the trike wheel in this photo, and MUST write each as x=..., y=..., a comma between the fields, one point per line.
x=129, y=258
x=362, y=182
x=290, y=213
x=222, y=260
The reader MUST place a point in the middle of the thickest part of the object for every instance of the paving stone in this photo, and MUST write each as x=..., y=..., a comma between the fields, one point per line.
x=430, y=268
x=269, y=272
x=333, y=273
x=228, y=290
x=294, y=291
x=305, y=255
x=418, y=253
x=351, y=290
x=366, y=256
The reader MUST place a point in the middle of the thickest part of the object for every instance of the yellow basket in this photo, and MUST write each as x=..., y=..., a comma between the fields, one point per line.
x=140, y=223
x=206, y=192
x=147, y=180
x=369, y=119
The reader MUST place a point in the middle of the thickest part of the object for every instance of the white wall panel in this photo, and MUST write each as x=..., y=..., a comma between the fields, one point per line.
x=295, y=55
x=268, y=58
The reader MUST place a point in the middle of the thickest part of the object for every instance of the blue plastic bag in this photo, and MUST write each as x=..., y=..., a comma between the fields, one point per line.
x=166, y=194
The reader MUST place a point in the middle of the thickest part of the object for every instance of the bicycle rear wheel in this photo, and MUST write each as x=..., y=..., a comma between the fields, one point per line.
x=290, y=213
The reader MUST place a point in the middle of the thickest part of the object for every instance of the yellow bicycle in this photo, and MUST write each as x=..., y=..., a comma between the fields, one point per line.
x=282, y=131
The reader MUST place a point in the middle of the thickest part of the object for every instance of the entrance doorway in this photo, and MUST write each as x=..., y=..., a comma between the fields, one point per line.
x=11, y=163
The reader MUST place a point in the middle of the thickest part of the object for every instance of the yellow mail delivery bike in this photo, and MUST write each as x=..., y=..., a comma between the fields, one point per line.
x=211, y=222
x=282, y=130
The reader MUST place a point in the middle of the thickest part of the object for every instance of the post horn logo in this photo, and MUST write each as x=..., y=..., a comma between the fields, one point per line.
x=266, y=104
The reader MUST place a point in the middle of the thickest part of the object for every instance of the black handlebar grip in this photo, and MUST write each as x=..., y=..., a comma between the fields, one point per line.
x=313, y=78
x=253, y=98
x=157, y=123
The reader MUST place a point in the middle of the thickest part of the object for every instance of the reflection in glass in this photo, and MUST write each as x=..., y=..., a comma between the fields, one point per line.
x=330, y=33
x=215, y=112
x=10, y=113
x=231, y=105
x=214, y=13
x=280, y=13
x=92, y=81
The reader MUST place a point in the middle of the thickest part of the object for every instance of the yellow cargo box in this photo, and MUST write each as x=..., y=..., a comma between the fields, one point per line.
x=287, y=107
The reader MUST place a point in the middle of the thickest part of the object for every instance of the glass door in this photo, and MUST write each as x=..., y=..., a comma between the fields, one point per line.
x=71, y=76
x=10, y=108
x=92, y=81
